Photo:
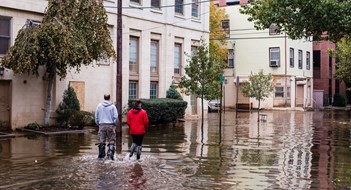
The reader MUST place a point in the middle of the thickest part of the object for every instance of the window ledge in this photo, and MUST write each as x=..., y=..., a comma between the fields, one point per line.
x=179, y=16
x=155, y=10
x=195, y=19
x=135, y=5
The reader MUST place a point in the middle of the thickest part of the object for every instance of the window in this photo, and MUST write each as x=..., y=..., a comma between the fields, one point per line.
x=136, y=1
x=178, y=8
x=177, y=58
x=317, y=64
x=273, y=29
x=156, y=4
x=5, y=37
x=193, y=50
x=292, y=57
x=231, y=58
x=133, y=54
x=154, y=57
x=153, y=90
x=133, y=90
x=308, y=60
x=274, y=57
x=300, y=59
x=279, y=92
x=226, y=27
x=195, y=8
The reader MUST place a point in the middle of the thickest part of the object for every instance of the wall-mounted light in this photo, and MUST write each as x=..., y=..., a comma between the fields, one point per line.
x=2, y=70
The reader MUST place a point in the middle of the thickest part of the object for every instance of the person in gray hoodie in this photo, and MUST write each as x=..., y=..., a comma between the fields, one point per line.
x=106, y=117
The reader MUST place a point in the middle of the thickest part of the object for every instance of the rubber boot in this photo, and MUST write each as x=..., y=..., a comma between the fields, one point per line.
x=111, y=151
x=132, y=149
x=138, y=152
x=101, y=150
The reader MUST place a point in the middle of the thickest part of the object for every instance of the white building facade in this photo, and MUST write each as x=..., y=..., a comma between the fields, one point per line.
x=249, y=51
x=155, y=36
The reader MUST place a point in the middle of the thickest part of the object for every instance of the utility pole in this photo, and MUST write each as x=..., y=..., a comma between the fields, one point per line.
x=119, y=65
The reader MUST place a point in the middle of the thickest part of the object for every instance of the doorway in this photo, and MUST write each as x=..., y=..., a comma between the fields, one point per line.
x=5, y=105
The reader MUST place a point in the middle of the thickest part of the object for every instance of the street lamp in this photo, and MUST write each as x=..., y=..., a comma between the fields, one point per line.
x=2, y=70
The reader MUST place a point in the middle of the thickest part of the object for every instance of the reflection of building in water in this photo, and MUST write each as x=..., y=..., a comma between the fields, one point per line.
x=296, y=157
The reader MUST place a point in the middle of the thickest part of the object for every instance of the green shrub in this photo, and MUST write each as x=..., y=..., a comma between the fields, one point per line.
x=68, y=106
x=173, y=93
x=81, y=119
x=340, y=100
x=163, y=110
x=33, y=126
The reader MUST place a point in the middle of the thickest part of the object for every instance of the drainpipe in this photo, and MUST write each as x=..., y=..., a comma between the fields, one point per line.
x=285, y=73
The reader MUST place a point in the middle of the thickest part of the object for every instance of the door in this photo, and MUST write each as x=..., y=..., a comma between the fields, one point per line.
x=4, y=104
x=299, y=95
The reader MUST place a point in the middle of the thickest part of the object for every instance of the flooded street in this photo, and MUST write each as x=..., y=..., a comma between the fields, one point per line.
x=292, y=150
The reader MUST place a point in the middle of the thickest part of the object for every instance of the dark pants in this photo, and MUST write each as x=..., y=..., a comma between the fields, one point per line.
x=107, y=132
x=138, y=139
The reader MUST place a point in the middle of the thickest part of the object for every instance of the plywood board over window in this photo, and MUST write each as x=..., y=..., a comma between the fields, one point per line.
x=79, y=88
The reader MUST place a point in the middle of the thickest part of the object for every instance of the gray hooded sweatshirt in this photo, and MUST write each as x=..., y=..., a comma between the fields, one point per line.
x=106, y=113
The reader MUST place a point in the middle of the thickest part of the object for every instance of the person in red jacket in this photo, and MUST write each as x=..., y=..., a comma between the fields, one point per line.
x=138, y=121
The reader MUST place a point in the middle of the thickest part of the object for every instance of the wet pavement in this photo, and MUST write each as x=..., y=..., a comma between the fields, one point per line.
x=292, y=150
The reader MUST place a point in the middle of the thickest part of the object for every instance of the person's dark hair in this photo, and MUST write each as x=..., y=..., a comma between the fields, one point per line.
x=135, y=103
x=107, y=97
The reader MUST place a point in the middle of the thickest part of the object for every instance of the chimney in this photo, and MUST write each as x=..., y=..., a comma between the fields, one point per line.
x=222, y=3
x=244, y=2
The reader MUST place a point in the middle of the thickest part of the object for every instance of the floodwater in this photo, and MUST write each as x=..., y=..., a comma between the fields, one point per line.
x=292, y=150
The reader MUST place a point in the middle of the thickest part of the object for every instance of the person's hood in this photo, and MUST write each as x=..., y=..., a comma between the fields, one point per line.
x=136, y=109
x=106, y=103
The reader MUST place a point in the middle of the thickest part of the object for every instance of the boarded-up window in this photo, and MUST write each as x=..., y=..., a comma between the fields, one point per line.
x=79, y=88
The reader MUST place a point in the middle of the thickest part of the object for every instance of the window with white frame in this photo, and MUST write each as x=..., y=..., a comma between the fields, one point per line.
x=5, y=36
x=133, y=90
x=193, y=50
x=195, y=8
x=300, y=59
x=226, y=27
x=133, y=54
x=156, y=4
x=153, y=90
x=308, y=60
x=136, y=1
x=231, y=58
x=177, y=58
x=273, y=29
x=154, y=57
x=292, y=57
x=279, y=92
x=179, y=7
x=274, y=57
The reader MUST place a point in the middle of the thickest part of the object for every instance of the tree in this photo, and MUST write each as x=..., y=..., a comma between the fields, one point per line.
x=173, y=93
x=68, y=106
x=302, y=18
x=73, y=33
x=259, y=87
x=343, y=55
x=217, y=34
x=202, y=75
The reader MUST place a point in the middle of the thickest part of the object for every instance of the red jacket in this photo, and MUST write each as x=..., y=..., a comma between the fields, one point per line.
x=137, y=121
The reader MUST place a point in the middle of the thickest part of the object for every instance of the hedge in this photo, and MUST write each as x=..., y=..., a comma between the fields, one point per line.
x=163, y=110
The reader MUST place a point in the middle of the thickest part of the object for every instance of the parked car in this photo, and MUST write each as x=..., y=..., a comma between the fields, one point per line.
x=213, y=105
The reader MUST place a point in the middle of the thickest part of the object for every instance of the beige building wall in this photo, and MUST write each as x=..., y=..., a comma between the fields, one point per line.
x=252, y=54
x=28, y=93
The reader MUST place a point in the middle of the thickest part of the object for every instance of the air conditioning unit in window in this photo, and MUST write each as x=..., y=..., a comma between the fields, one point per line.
x=274, y=63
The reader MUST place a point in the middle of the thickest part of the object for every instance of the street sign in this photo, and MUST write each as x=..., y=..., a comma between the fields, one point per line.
x=221, y=79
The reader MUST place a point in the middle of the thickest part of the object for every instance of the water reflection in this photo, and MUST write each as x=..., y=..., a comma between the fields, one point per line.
x=292, y=150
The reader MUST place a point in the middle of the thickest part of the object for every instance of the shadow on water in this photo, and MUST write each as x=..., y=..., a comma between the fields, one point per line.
x=292, y=150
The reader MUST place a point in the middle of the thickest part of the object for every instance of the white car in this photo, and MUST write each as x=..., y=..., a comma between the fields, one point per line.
x=213, y=105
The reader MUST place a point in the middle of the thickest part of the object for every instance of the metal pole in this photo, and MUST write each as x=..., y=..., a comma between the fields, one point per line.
x=119, y=65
